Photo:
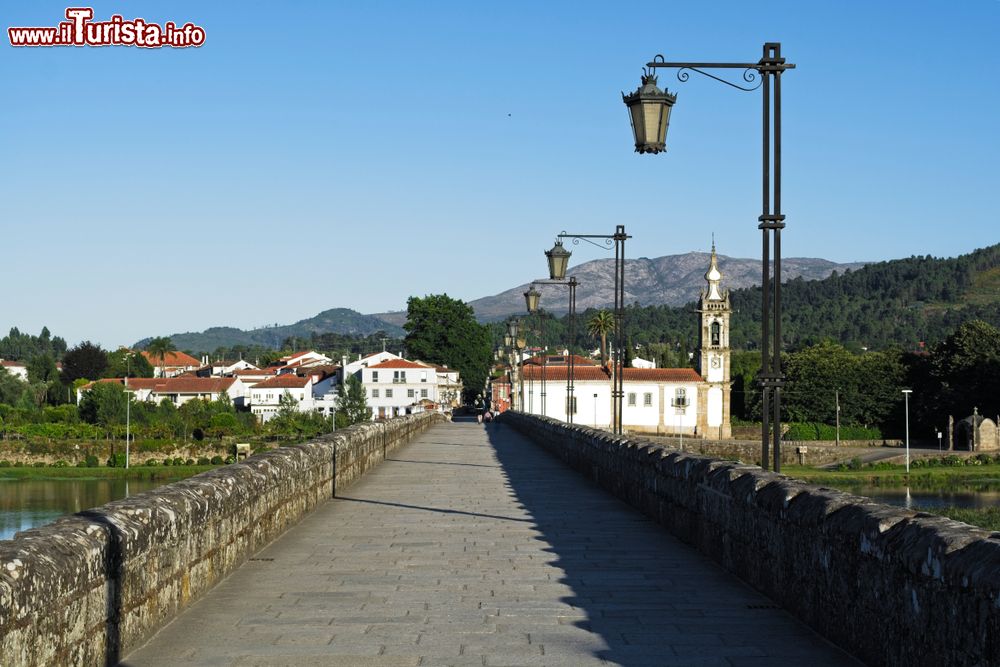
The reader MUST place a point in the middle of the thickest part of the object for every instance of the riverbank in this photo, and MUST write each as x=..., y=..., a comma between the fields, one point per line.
x=134, y=472
x=971, y=478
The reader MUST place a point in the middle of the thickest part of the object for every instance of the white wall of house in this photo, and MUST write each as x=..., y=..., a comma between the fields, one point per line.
x=640, y=417
x=394, y=391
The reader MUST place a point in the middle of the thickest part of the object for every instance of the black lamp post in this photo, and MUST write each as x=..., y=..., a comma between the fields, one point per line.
x=531, y=298
x=649, y=112
x=513, y=331
x=558, y=261
x=616, y=241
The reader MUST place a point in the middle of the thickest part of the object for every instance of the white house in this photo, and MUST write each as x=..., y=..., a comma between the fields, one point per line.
x=265, y=396
x=172, y=363
x=16, y=368
x=179, y=390
x=398, y=387
x=314, y=389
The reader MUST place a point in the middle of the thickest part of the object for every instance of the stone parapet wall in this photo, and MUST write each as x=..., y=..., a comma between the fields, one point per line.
x=889, y=585
x=89, y=588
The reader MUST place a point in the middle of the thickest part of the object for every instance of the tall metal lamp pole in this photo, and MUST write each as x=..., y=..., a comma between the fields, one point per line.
x=649, y=110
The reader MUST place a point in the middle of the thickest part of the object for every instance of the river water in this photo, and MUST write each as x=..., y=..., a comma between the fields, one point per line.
x=973, y=496
x=26, y=503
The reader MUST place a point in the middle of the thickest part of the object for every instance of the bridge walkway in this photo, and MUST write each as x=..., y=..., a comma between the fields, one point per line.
x=471, y=546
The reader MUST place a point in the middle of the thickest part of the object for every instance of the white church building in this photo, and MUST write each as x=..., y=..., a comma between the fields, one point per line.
x=691, y=402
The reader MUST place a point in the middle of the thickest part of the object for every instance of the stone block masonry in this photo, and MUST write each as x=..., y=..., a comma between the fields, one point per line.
x=892, y=586
x=88, y=588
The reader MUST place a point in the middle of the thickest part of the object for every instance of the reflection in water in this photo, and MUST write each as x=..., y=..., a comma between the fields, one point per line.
x=954, y=496
x=27, y=503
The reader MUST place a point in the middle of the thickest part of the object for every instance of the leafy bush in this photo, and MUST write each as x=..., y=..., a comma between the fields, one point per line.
x=216, y=460
x=117, y=461
x=40, y=464
x=203, y=461
x=81, y=464
x=918, y=463
x=951, y=460
x=60, y=464
x=4, y=463
x=189, y=462
x=91, y=461
x=167, y=462
x=152, y=462
x=178, y=461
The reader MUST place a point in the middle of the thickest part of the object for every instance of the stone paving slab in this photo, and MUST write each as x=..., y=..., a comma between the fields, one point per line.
x=471, y=546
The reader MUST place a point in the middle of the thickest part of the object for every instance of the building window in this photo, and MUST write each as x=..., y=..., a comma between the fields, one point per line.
x=409, y=393
x=374, y=393
x=374, y=376
x=631, y=398
x=423, y=393
x=571, y=405
x=423, y=376
x=388, y=393
x=647, y=399
x=399, y=377
x=716, y=333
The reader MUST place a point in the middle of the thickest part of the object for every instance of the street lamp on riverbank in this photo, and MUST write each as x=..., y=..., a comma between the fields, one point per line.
x=649, y=112
x=906, y=400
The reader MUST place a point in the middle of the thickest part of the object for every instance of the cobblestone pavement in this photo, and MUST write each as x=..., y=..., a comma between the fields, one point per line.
x=471, y=546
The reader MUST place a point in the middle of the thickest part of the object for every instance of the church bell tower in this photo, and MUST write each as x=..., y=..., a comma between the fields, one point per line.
x=713, y=356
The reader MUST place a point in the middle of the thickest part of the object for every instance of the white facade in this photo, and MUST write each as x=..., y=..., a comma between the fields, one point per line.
x=16, y=368
x=397, y=387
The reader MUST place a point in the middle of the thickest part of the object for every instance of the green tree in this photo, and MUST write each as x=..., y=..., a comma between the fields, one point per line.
x=599, y=326
x=159, y=348
x=42, y=368
x=125, y=362
x=104, y=404
x=86, y=360
x=442, y=330
x=352, y=404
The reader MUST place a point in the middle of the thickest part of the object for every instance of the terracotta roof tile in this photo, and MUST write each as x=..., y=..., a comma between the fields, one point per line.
x=398, y=363
x=286, y=381
x=172, y=360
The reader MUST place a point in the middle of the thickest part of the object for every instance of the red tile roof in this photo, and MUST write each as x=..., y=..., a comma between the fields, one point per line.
x=172, y=360
x=286, y=381
x=177, y=385
x=560, y=373
x=253, y=372
x=398, y=363
x=662, y=375
x=13, y=364
x=577, y=360
x=584, y=373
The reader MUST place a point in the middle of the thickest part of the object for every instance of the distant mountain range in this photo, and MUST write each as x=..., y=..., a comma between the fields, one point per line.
x=673, y=280
x=335, y=320
x=670, y=280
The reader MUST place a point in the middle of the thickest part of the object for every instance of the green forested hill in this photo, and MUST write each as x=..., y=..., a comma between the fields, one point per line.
x=900, y=302
x=896, y=303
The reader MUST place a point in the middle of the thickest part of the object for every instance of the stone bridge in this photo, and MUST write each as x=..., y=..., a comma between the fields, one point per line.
x=423, y=542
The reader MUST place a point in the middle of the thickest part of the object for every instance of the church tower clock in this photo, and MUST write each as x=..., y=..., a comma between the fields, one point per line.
x=713, y=356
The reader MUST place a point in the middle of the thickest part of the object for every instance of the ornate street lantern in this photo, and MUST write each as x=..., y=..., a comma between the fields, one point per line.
x=512, y=328
x=531, y=298
x=558, y=259
x=649, y=109
x=508, y=341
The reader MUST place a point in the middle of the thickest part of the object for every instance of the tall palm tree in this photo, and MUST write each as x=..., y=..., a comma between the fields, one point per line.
x=159, y=348
x=599, y=326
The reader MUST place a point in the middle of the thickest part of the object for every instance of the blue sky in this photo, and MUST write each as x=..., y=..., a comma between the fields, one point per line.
x=323, y=154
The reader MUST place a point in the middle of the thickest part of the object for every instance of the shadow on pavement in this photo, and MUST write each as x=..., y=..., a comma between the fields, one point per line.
x=651, y=599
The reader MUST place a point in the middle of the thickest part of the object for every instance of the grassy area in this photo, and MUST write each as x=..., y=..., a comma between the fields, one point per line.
x=134, y=472
x=895, y=475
